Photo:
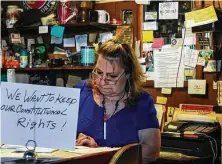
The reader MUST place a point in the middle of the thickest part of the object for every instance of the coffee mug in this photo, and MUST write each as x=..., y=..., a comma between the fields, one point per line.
x=103, y=16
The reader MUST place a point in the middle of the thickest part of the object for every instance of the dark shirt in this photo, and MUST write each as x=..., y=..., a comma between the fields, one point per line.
x=122, y=128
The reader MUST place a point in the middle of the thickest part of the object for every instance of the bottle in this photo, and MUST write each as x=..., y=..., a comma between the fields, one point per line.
x=30, y=59
x=23, y=58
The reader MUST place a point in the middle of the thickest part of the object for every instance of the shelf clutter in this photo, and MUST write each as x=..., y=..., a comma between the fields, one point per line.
x=56, y=43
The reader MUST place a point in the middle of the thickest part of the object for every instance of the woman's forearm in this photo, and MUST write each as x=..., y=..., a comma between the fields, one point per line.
x=149, y=153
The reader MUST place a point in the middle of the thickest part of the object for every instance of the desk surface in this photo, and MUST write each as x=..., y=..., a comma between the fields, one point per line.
x=102, y=157
x=59, y=157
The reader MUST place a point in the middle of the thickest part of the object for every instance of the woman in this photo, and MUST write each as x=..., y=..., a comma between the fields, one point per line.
x=114, y=109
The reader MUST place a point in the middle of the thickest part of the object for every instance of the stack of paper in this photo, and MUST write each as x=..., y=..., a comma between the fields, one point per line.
x=87, y=150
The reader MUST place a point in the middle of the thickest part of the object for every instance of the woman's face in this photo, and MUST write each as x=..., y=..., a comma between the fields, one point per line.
x=110, y=78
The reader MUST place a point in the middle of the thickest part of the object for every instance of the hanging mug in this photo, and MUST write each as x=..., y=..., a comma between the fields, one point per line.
x=103, y=16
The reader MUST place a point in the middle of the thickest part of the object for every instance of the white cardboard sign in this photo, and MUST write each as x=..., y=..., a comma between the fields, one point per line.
x=168, y=10
x=45, y=114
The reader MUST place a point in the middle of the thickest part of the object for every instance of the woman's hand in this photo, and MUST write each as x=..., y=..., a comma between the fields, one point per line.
x=84, y=140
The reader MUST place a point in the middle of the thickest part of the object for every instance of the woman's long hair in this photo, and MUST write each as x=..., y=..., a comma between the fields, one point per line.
x=114, y=50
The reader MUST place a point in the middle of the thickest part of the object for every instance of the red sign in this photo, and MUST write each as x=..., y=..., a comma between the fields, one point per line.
x=45, y=6
x=196, y=107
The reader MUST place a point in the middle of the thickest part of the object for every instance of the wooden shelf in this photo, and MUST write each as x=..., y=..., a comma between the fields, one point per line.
x=74, y=28
x=52, y=68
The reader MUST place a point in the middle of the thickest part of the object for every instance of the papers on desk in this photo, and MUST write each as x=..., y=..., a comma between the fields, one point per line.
x=20, y=148
x=87, y=150
x=169, y=68
x=37, y=149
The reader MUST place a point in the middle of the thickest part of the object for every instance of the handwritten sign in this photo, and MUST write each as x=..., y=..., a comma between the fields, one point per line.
x=168, y=10
x=45, y=114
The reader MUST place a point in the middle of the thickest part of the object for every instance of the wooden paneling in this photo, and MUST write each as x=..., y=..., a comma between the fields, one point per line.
x=115, y=10
x=180, y=95
x=217, y=3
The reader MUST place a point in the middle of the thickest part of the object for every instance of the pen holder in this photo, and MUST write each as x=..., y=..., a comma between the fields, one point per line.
x=30, y=154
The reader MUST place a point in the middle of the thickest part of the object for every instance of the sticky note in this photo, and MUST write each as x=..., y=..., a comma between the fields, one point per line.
x=166, y=91
x=189, y=72
x=147, y=36
x=43, y=29
x=197, y=87
x=57, y=31
x=158, y=43
x=201, y=61
x=161, y=100
x=201, y=17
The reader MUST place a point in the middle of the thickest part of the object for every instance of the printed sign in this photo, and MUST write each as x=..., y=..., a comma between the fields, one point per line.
x=168, y=10
x=48, y=115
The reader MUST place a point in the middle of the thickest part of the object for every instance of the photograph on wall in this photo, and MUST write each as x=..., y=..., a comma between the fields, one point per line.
x=149, y=61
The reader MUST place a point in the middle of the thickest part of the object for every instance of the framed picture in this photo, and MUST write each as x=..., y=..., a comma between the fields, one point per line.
x=127, y=17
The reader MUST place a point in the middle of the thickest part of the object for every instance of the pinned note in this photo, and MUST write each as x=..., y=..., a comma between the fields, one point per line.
x=166, y=91
x=57, y=31
x=43, y=29
x=147, y=36
x=151, y=15
x=161, y=100
x=158, y=43
x=197, y=87
x=168, y=10
x=150, y=25
x=147, y=46
x=200, y=17
x=189, y=72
